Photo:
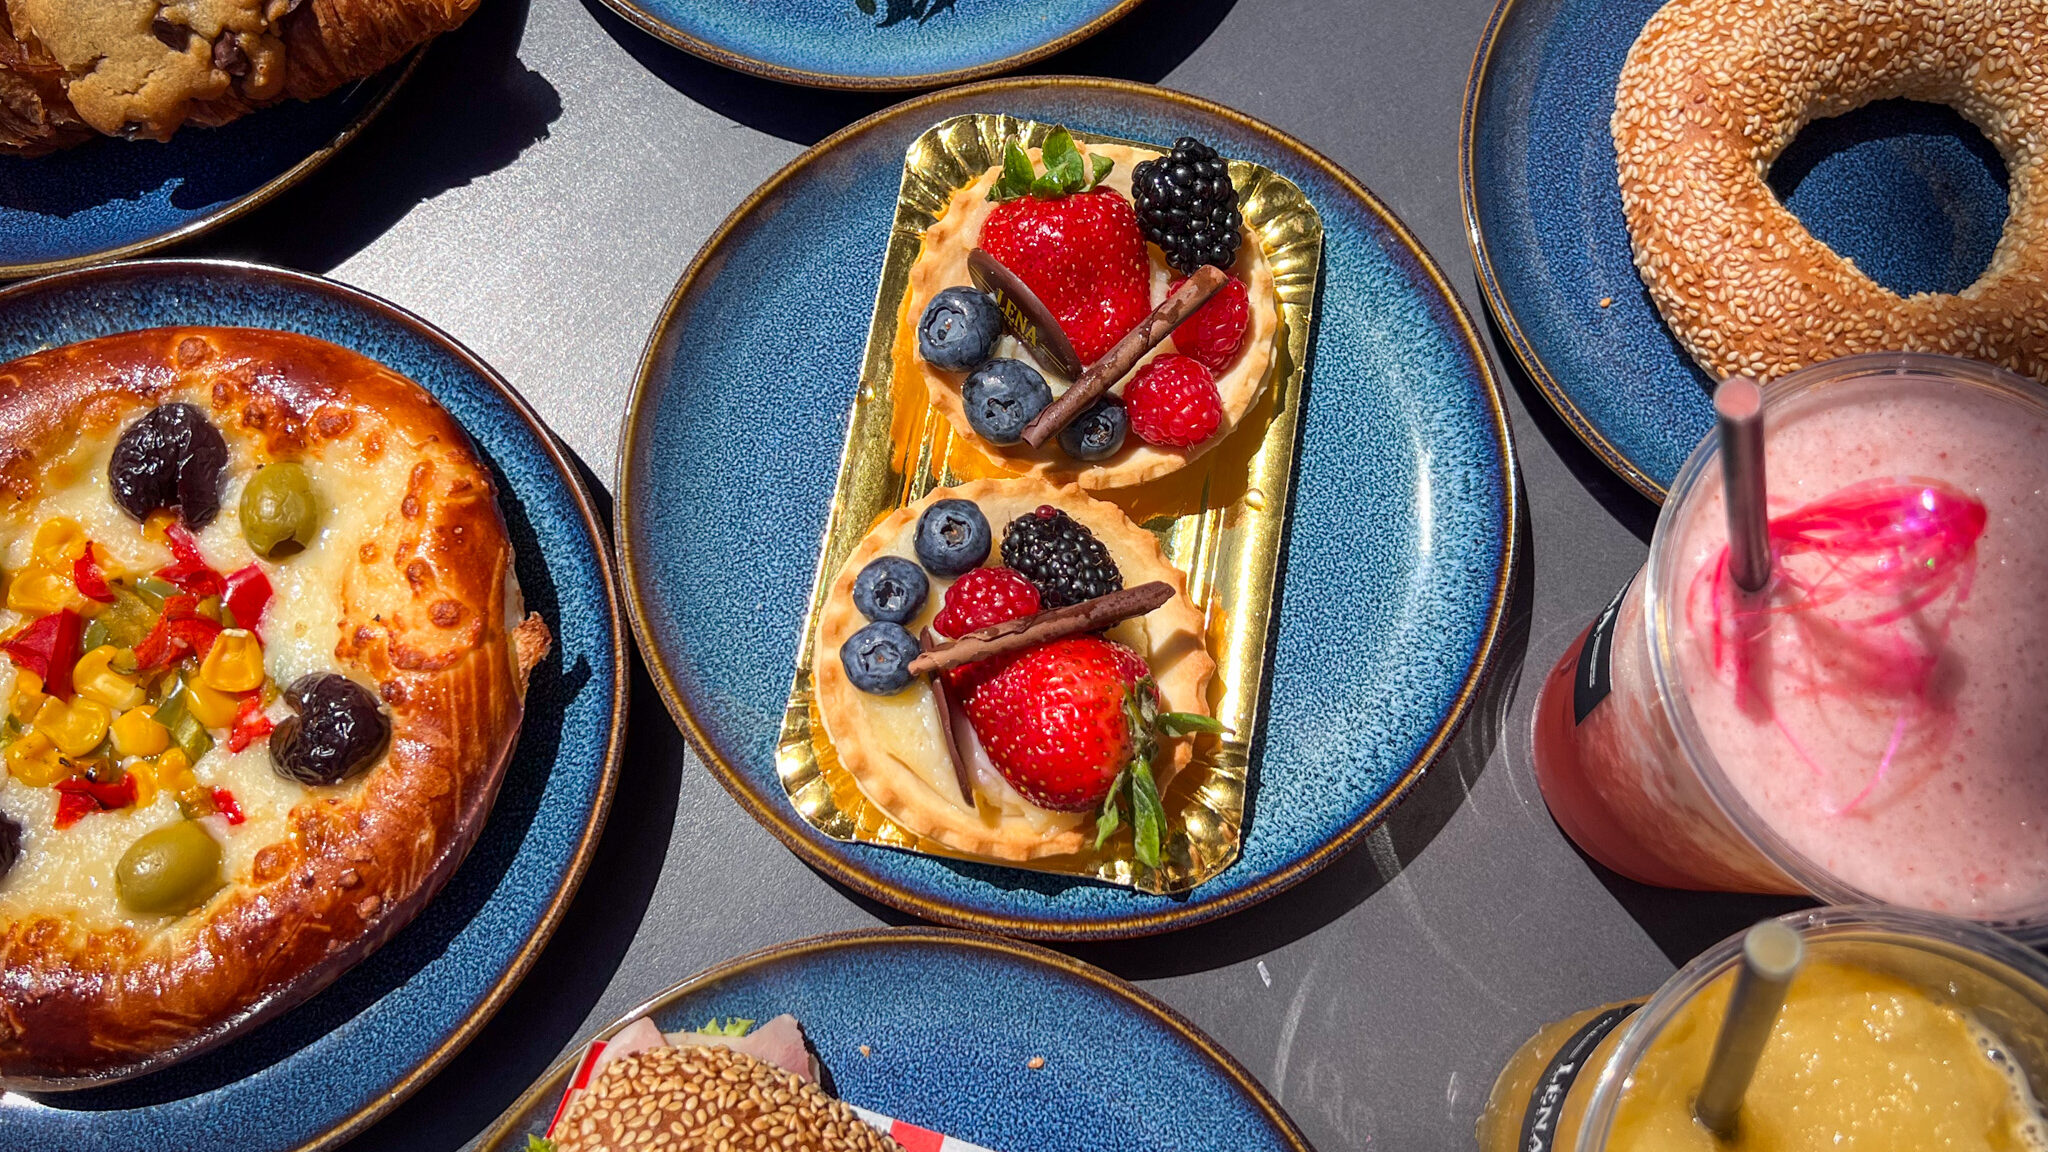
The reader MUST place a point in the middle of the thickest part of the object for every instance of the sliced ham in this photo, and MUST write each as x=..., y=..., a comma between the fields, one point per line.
x=638, y=1036
x=779, y=1042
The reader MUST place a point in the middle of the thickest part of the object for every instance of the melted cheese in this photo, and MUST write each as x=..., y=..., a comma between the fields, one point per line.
x=71, y=871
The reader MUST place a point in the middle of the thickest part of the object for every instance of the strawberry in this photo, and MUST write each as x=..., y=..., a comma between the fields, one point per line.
x=1173, y=402
x=1213, y=334
x=1076, y=245
x=1056, y=722
x=982, y=597
x=1073, y=725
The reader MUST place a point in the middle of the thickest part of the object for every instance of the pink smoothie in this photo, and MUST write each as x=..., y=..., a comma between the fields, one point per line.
x=1882, y=708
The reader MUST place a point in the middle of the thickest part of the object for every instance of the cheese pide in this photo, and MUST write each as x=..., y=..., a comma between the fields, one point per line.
x=264, y=662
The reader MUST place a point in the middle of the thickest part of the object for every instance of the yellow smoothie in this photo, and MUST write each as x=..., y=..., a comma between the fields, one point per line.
x=1859, y=1061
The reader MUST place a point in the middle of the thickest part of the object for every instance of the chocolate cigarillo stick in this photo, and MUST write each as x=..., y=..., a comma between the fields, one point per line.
x=1125, y=354
x=1017, y=635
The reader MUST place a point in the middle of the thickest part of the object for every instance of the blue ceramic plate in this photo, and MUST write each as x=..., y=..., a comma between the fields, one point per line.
x=1401, y=538
x=327, y=1068
x=106, y=199
x=874, y=44
x=1909, y=191
x=951, y=1022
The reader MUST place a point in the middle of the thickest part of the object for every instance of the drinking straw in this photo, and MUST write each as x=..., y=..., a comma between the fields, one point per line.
x=1739, y=413
x=1771, y=954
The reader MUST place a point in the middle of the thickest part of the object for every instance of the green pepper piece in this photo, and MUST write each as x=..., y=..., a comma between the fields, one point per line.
x=95, y=635
x=187, y=732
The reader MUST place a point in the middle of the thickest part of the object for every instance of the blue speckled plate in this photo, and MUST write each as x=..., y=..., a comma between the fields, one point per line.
x=326, y=1069
x=873, y=44
x=1909, y=191
x=106, y=199
x=1400, y=544
x=951, y=1021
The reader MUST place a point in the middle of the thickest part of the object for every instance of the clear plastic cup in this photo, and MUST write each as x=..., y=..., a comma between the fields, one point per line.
x=1634, y=775
x=1563, y=1091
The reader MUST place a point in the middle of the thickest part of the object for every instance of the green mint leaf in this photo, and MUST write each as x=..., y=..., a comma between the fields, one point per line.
x=539, y=1144
x=1188, y=723
x=1017, y=176
x=1110, y=820
x=1102, y=165
x=1148, y=815
x=1058, y=151
x=1048, y=187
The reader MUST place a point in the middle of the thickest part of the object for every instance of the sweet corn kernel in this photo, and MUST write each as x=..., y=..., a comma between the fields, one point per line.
x=59, y=540
x=27, y=697
x=77, y=727
x=235, y=663
x=137, y=733
x=33, y=759
x=95, y=679
x=144, y=775
x=42, y=588
x=210, y=706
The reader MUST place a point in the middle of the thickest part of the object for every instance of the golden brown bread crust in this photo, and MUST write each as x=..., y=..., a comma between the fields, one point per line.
x=697, y=1099
x=1714, y=90
x=65, y=78
x=424, y=617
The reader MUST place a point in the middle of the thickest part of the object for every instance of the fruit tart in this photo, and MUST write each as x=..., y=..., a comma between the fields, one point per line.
x=1011, y=669
x=1037, y=271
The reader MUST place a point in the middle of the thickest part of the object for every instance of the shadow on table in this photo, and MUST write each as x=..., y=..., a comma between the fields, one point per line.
x=546, y=1011
x=1145, y=46
x=1629, y=507
x=471, y=108
x=1685, y=924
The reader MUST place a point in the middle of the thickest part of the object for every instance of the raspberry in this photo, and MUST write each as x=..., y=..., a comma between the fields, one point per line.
x=983, y=597
x=1212, y=335
x=1173, y=402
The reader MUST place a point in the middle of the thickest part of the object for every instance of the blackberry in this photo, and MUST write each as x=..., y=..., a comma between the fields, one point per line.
x=1188, y=206
x=1063, y=558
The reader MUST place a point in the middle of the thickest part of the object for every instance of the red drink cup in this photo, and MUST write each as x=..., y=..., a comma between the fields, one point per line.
x=1867, y=728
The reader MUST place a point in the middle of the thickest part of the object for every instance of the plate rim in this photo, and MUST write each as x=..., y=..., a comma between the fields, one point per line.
x=753, y=66
x=586, y=848
x=1497, y=303
x=493, y=1138
x=240, y=206
x=784, y=824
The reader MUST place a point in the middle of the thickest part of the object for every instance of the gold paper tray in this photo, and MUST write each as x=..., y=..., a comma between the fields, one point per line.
x=1221, y=520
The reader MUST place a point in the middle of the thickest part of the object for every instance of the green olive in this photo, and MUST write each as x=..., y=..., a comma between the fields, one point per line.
x=173, y=869
x=280, y=514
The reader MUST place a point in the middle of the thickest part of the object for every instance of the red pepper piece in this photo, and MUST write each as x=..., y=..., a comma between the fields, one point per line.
x=180, y=630
x=250, y=726
x=247, y=596
x=78, y=797
x=90, y=581
x=224, y=800
x=191, y=571
x=49, y=648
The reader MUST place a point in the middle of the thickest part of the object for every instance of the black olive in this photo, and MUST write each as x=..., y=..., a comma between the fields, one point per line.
x=10, y=844
x=340, y=730
x=172, y=458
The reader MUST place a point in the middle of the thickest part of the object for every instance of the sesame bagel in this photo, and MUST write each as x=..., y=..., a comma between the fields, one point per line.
x=708, y=1100
x=1714, y=91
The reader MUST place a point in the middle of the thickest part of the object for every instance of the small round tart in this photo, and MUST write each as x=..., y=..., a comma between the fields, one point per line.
x=942, y=264
x=382, y=573
x=894, y=746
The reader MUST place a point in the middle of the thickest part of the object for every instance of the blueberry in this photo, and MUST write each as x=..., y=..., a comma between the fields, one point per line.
x=1097, y=433
x=959, y=329
x=1001, y=397
x=952, y=537
x=877, y=658
x=890, y=588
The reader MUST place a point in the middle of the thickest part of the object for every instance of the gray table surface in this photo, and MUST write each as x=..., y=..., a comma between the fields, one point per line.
x=536, y=191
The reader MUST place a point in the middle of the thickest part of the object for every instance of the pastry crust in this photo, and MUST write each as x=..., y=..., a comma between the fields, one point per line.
x=1172, y=638
x=427, y=613
x=139, y=69
x=942, y=264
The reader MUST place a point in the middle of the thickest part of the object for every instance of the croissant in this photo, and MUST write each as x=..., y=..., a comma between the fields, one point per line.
x=141, y=69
